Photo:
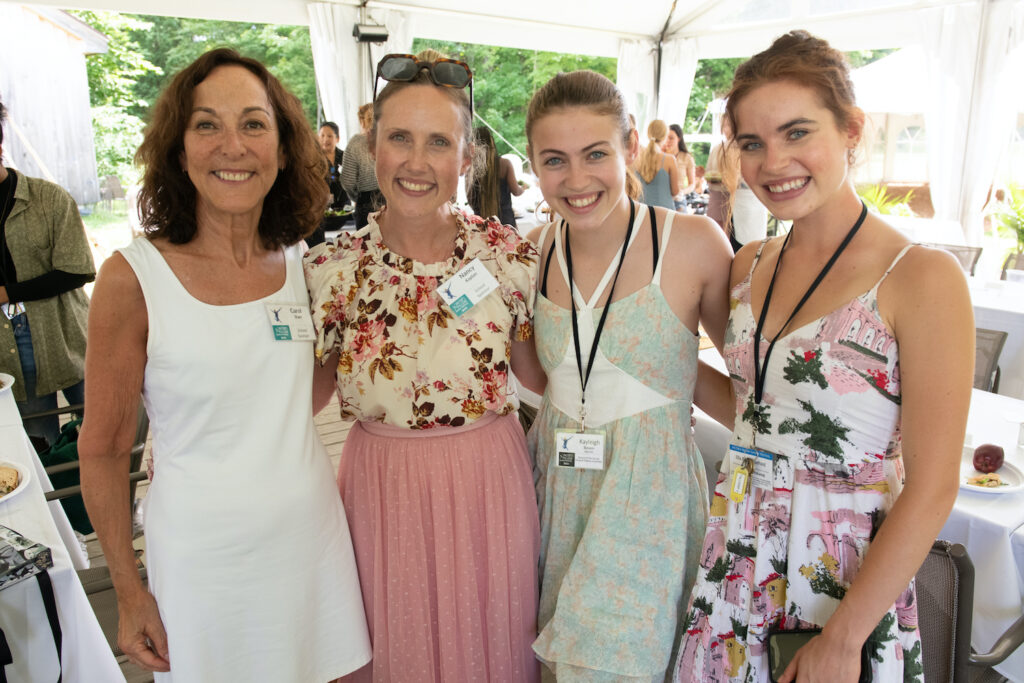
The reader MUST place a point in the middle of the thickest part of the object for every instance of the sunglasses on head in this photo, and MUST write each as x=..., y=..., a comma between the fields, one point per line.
x=447, y=73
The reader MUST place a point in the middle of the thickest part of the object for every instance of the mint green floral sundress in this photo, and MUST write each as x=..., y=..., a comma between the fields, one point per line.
x=619, y=546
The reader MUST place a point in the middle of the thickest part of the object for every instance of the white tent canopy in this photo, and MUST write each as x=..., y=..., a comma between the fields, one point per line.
x=971, y=47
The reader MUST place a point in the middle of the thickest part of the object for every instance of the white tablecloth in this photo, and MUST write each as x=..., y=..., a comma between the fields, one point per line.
x=86, y=656
x=984, y=523
x=999, y=305
x=990, y=526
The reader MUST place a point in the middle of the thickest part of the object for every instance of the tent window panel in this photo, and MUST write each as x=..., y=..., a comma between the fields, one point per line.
x=911, y=154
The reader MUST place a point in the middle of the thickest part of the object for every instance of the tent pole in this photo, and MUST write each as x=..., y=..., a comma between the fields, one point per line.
x=971, y=106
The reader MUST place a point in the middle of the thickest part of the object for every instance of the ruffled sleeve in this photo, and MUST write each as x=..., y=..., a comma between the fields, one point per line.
x=330, y=271
x=516, y=260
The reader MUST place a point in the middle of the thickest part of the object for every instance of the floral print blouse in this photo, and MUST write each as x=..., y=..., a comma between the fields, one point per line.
x=405, y=359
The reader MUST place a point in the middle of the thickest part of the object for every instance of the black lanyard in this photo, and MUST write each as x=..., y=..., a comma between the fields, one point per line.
x=585, y=376
x=760, y=371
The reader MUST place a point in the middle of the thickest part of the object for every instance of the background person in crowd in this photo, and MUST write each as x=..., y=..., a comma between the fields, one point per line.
x=675, y=146
x=435, y=473
x=622, y=289
x=839, y=381
x=357, y=170
x=251, y=570
x=735, y=206
x=44, y=261
x=490, y=189
x=659, y=175
x=328, y=138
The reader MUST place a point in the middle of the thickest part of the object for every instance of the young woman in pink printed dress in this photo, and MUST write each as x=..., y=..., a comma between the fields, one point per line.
x=850, y=358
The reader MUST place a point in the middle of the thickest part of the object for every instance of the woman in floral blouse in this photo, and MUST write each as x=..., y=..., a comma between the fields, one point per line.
x=435, y=475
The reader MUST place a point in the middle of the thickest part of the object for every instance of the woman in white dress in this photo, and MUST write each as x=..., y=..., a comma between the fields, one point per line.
x=251, y=571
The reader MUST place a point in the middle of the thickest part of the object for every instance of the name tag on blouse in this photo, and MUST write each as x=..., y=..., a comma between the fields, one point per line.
x=580, y=450
x=290, y=322
x=468, y=287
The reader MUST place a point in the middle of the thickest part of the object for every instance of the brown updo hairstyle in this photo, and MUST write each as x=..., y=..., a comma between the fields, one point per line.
x=458, y=95
x=806, y=60
x=295, y=204
x=584, y=89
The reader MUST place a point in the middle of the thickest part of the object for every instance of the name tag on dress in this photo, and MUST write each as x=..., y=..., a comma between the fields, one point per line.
x=580, y=450
x=761, y=465
x=290, y=322
x=468, y=287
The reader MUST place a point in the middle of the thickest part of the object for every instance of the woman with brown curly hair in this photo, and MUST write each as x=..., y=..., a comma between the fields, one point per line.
x=207, y=316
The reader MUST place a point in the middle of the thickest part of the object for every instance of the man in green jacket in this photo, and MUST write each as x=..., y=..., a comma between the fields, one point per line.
x=45, y=260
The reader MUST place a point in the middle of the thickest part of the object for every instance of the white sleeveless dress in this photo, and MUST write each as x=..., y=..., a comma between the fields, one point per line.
x=247, y=545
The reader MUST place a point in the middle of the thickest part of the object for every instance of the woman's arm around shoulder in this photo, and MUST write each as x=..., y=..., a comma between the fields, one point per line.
x=115, y=363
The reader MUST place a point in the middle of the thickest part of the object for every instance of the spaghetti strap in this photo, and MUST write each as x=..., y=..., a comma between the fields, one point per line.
x=669, y=217
x=547, y=261
x=603, y=284
x=892, y=265
x=654, y=239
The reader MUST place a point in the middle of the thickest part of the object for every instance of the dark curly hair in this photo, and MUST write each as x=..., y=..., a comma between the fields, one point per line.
x=295, y=204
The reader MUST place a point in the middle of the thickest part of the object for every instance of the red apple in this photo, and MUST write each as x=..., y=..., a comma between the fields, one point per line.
x=988, y=457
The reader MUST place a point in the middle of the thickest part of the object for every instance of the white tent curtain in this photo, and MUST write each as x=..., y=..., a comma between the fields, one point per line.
x=993, y=115
x=336, y=60
x=635, y=78
x=344, y=67
x=678, y=68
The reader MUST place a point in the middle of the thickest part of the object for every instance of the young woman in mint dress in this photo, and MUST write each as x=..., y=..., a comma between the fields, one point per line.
x=850, y=358
x=622, y=287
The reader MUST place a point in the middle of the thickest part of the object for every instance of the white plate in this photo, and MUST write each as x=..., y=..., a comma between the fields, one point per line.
x=23, y=479
x=1009, y=473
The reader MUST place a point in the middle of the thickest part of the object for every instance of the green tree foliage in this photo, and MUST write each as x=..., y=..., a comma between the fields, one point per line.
x=504, y=80
x=173, y=43
x=112, y=80
x=144, y=52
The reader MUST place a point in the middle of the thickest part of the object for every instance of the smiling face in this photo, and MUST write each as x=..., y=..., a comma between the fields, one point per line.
x=793, y=155
x=232, y=151
x=421, y=151
x=581, y=159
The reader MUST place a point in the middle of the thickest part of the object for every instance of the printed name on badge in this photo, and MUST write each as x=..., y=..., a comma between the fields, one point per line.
x=580, y=450
x=468, y=287
x=290, y=322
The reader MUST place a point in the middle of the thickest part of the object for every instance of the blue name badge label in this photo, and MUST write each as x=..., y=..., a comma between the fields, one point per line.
x=762, y=461
x=290, y=322
x=580, y=450
x=467, y=288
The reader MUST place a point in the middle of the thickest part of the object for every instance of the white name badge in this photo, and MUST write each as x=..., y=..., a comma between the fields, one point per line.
x=11, y=310
x=761, y=476
x=468, y=287
x=290, y=322
x=580, y=450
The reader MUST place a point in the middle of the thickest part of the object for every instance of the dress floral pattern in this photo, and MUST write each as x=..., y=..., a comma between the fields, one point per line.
x=783, y=557
x=404, y=358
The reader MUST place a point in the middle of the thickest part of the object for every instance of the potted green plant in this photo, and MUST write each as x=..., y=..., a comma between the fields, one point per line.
x=1010, y=215
x=878, y=198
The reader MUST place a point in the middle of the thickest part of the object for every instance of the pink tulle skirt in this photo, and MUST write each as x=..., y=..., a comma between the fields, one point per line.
x=444, y=525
